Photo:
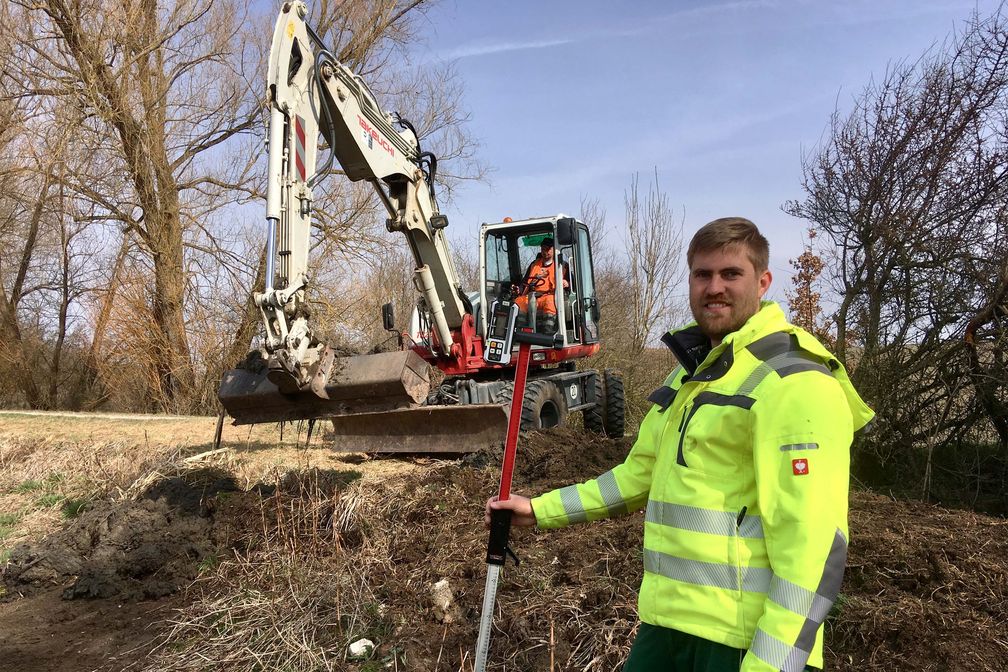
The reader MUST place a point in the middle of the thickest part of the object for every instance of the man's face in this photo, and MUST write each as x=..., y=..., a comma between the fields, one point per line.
x=725, y=290
x=547, y=252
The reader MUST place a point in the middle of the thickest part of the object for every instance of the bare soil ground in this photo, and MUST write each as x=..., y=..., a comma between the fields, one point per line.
x=128, y=545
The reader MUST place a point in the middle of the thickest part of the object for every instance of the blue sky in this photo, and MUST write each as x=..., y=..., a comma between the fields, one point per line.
x=570, y=99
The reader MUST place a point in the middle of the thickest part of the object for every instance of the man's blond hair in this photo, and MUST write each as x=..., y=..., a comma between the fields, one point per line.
x=730, y=232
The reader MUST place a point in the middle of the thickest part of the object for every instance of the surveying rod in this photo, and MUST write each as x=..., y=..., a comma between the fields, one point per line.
x=501, y=334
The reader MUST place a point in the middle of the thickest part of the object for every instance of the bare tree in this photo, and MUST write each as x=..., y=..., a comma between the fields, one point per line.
x=910, y=187
x=164, y=102
x=638, y=281
x=155, y=94
x=655, y=271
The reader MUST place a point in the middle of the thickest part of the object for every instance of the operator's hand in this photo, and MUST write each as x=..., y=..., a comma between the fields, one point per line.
x=521, y=507
x=566, y=284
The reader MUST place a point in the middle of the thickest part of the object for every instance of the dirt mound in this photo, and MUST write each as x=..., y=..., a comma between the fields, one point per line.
x=578, y=584
x=139, y=549
x=926, y=589
x=154, y=545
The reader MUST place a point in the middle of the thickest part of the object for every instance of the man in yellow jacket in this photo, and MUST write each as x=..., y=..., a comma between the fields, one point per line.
x=742, y=466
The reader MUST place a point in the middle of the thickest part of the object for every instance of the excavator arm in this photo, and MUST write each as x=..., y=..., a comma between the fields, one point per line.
x=310, y=92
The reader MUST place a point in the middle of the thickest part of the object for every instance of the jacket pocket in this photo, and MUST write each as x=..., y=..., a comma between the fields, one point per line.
x=714, y=434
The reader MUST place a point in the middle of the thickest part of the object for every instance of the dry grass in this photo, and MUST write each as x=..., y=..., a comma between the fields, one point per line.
x=299, y=595
x=54, y=462
x=133, y=429
x=324, y=566
x=332, y=548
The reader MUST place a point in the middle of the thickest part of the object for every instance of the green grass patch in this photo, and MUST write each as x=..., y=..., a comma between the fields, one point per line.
x=49, y=500
x=51, y=482
x=74, y=507
x=29, y=486
x=209, y=563
x=7, y=523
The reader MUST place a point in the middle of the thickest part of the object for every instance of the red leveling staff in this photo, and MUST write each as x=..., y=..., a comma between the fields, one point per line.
x=500, y=519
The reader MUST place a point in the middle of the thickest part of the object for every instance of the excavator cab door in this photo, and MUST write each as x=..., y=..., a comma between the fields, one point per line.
x=580, y=300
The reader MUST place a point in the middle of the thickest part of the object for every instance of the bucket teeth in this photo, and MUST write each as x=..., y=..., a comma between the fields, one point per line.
x=323, y=372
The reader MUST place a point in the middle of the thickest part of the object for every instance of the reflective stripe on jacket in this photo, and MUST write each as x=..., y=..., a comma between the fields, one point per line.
x=742, y=465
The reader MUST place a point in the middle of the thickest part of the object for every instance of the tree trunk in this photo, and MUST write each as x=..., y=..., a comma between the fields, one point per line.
x=251, y=319
x=171, y=361
x=12, y=348
x=987, y=381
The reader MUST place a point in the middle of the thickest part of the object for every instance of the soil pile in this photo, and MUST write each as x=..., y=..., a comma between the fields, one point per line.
x=926, y=588
x=132, y=550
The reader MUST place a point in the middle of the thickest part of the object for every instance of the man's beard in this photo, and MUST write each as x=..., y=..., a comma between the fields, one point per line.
x=717, y=327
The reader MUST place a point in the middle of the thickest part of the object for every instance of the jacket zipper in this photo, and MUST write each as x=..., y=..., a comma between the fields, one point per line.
x=680, y=458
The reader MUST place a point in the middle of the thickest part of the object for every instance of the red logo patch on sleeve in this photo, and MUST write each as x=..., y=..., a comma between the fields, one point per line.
x=800, y=467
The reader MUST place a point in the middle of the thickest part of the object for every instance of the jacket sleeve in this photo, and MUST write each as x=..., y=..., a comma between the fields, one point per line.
x=802, y=433
x=623, y=489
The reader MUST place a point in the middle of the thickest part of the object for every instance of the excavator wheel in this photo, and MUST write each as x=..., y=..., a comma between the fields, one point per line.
x=544, y=406
x=608, y=416
x=614, y=420
x=594, y=417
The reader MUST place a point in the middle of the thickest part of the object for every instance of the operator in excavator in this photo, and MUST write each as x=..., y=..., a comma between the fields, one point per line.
x=540, y=280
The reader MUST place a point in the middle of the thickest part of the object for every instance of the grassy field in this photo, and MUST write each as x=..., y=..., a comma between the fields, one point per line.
x=53, y=464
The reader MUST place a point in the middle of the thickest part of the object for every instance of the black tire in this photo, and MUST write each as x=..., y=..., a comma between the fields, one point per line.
x=594, y=417
x=614, y=412
x=544, y=405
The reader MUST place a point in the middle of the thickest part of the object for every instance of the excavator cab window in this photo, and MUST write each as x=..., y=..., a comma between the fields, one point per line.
x=511, y=252
x=500, y=259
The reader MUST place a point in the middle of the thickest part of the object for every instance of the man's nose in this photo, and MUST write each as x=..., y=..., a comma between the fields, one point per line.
x=716, y=285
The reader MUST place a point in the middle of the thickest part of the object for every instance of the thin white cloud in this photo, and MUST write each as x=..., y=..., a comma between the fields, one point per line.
x=475, y=49
x=487, y=48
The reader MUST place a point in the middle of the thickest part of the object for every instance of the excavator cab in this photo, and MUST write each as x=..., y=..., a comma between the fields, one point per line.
x=508, y=251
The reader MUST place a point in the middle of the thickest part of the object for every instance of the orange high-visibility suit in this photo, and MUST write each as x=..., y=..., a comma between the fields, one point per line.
x=540, y=279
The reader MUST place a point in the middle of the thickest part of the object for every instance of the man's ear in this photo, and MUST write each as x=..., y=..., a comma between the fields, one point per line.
x=764, y=282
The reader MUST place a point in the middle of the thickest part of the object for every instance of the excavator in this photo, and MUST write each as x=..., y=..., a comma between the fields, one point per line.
x=387, y=402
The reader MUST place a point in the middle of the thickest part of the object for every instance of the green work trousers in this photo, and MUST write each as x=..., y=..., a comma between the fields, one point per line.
x=658, y=649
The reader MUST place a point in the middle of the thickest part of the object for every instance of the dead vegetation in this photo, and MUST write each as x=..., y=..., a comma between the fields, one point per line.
x=306, y=557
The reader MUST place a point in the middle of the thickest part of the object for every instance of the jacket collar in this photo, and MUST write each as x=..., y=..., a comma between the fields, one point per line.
x=692, y=347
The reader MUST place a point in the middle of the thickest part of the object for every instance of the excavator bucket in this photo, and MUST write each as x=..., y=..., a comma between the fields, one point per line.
x=428, y=429
x=375, y=404
x=360, y=384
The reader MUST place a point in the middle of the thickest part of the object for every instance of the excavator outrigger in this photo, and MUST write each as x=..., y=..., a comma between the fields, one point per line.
x=384, y=401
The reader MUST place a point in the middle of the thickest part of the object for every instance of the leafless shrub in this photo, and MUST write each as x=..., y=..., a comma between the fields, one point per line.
x=910, y=188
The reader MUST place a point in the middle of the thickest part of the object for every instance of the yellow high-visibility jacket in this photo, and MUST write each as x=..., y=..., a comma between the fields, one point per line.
x=743, y=466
